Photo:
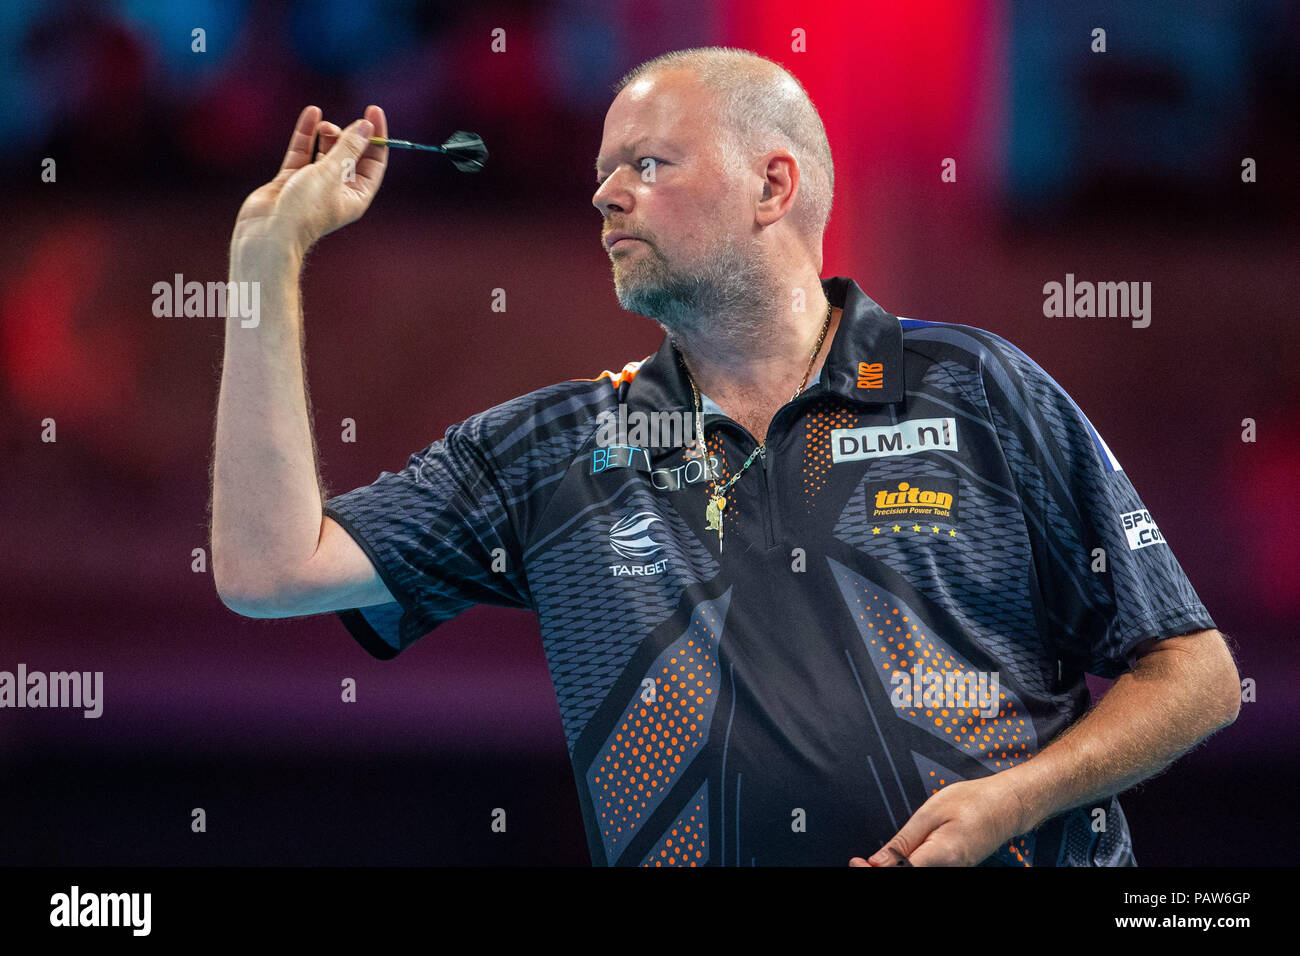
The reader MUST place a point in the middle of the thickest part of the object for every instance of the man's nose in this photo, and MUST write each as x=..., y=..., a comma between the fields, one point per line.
x=610, y=197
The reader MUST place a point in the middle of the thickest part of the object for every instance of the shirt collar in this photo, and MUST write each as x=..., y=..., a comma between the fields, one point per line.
x=710, y=407
x=865, y=362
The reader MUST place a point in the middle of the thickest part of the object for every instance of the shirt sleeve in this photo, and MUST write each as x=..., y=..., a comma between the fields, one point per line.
x=1107, y=576
x=441, y=536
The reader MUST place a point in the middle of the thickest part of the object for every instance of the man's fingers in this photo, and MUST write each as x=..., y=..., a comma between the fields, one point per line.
x=329, y=135
x=376, y=116
x=889, y=855
x=374, y=161
x=909, y=839
x=300, y=142
x=894, y=857
x=350, y=144
x=356, y=138
x=934, y=853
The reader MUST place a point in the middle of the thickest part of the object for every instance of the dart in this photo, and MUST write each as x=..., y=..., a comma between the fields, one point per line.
x=465, y=150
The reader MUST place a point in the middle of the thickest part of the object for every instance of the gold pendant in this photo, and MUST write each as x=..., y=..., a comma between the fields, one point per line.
x=713, y=514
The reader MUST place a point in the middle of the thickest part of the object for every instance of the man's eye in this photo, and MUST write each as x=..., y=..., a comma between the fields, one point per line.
x=643, y=163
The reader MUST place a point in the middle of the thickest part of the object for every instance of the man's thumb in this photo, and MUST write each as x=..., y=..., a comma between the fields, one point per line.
x=354, y=140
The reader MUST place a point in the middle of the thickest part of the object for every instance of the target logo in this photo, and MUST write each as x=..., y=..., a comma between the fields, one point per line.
x=631, y=537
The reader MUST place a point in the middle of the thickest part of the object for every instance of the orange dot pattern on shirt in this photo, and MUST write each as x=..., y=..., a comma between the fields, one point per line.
x=897, y=643
x=718, y=452
x=687, y=841
x=823, y=416
x=730, y=514
x=655, y=741
x=1016, y=848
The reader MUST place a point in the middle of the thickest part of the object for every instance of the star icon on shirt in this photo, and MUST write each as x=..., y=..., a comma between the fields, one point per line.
x=916, y=527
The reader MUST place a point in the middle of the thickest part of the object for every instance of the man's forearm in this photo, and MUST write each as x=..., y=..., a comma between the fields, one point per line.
x=266, y=495
x=1174, y=697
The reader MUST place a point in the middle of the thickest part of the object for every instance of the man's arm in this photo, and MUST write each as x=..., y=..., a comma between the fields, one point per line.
x=274, y=553
x=1180, y=691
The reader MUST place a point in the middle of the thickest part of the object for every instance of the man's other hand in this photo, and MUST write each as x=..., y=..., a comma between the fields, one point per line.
x=961, y=825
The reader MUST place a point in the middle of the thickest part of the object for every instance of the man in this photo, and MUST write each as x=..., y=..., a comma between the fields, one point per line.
x=835, y=626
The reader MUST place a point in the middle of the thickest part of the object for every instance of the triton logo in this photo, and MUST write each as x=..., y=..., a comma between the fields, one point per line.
x=910, y=495
x=871, y=375
x=935, y=498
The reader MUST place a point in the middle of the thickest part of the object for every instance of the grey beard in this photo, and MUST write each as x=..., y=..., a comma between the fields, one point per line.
x=688, y=302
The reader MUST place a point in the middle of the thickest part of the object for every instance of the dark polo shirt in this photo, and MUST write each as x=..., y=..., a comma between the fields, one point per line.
x=913, y=580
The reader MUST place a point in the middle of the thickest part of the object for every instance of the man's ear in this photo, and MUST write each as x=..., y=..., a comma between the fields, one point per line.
x=779, y=172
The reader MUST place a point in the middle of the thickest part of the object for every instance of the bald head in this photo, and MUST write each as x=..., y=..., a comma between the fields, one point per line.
x=761, y=107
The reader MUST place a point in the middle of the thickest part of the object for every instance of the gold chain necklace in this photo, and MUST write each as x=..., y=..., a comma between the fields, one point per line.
x=717, y=496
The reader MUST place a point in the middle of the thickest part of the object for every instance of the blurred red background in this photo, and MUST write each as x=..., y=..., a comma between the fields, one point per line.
x=1123, y=165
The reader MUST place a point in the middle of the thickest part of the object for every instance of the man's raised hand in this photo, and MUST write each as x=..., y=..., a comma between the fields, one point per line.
x=306, y=199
